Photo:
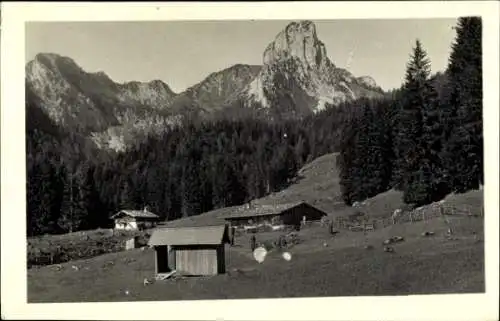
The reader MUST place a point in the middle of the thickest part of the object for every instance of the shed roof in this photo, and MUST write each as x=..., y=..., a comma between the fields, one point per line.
x=260, y=210
x=135, y=213
x=207, y=235
x=210, y=218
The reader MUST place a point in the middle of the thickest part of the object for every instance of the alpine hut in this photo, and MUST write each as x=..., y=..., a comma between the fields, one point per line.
x=135, y=220
x=192, y=251
x=291, y=214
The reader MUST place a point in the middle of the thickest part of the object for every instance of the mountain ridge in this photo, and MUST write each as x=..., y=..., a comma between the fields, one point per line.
x=296, y=78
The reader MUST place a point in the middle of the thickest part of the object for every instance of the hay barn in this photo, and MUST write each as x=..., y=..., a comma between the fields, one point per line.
x=135, y=220
x=191, y=251
x=290, y=214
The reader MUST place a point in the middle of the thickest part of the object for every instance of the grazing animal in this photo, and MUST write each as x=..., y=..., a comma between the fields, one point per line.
x=146, y=282
x=396, y=214
x=388, y=249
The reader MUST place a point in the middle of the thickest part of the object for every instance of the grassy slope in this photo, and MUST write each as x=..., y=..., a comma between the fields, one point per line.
x=343, y=268
x=78, y=245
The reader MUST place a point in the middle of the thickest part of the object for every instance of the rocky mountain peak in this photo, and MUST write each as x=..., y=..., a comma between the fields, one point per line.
x=298, y=40
x=296, y=69
x=367, y=81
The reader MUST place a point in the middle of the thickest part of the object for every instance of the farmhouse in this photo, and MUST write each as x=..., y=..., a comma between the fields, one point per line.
x=291, y=214
x=193, y=251
x=135, y=220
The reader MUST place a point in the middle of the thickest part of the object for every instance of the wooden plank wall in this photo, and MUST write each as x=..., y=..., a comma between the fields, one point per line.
x=196, y=261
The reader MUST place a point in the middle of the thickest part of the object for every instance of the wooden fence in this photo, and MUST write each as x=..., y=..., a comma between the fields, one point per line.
x=419, y=214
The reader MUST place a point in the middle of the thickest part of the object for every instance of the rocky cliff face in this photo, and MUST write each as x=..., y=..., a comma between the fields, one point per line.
x=92, y=104
x=296, y=68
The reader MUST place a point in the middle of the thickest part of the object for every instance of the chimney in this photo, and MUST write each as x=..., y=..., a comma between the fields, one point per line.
x=146, y=208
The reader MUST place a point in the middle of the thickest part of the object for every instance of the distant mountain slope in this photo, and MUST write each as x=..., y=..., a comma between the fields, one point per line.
x=91, y=103
x=216, y=91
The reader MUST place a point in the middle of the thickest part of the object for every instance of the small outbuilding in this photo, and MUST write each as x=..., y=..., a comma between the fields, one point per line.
x=135, y=220
x=191, y=251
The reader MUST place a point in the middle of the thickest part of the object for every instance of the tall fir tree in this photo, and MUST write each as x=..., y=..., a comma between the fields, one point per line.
x=412, y=167
x=463, y=135
x=96, y=210
x=72, y=212
x=346, y=160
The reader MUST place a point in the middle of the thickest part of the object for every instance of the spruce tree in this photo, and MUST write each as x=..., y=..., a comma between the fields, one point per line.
x=192, y=193
x=71, y=212
x=410, y=153
x=96, y=211
x=463, y=137
x=346, y=160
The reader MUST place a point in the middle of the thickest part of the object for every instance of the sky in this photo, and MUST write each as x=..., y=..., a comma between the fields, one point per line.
x=183, y=53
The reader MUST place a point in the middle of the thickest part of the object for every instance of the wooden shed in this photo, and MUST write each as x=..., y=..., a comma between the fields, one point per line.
x=288, y=214
x=193, y=251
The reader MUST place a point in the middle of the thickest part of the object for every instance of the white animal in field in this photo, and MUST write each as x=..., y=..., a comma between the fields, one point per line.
x=397, y=213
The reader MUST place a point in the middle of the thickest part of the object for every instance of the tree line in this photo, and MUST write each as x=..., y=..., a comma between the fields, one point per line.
x=427, y=139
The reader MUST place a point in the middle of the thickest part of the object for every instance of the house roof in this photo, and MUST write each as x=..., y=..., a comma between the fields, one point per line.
x=259, y=210
x=207, y=235
x=218, y=216
x=135, y=213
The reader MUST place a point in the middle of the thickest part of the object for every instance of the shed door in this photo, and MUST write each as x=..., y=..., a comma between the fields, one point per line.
x=196, y=262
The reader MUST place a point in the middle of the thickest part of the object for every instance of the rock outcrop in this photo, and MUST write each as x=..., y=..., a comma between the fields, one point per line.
x=296, y=68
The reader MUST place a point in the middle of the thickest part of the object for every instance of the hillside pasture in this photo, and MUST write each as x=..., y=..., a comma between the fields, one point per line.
x=344, y=267
x=52, y=249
